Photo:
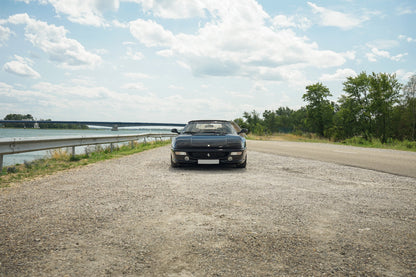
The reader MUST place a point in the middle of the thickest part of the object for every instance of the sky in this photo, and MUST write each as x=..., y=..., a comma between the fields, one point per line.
x=172, y=61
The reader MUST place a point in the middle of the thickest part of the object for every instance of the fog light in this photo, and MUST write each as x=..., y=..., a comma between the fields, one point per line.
x=186, y=158
x=230, y=158
x=236, y=153
x=180, y=153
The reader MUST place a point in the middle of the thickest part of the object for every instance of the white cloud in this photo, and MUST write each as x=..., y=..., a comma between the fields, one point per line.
x=86, y=12
x=377, y=53
x=337, y=19
x=405, y=10
x=69, y=102
x=339, y=75
x=51, y=39
x=174, y=9
x=136, y=56
x=283, y=21
x=21, y=67
x=150, y=33
x=404, y=75
x=134, y=86
x=238, y=42
x=135, y=75
x=4, y=34
x=402, y=37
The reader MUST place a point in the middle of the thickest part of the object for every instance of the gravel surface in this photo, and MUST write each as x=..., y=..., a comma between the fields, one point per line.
x=136, y=216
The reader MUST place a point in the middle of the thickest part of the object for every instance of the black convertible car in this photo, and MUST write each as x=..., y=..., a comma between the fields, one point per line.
x=209, y=142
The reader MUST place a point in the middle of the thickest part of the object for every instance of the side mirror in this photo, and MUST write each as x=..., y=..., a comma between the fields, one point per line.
x=244, y=130
x=175, y=131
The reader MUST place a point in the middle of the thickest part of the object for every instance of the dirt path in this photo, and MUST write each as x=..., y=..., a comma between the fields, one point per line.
x=136, y=216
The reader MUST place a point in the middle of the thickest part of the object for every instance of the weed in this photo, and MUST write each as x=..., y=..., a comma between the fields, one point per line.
x=60, y=159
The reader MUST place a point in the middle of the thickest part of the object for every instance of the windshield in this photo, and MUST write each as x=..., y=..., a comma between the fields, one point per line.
x=209, y=128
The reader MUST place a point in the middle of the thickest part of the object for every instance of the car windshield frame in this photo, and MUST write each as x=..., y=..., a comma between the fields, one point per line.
x=209, y=127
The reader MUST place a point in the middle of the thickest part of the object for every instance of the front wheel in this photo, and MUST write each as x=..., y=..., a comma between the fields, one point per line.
x=173, y=164
x=243, y=165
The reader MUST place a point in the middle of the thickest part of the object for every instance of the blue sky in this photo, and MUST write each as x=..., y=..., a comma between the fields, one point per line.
x=178, y=60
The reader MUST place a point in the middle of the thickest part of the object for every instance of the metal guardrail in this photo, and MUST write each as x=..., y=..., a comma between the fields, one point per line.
x=20, y=145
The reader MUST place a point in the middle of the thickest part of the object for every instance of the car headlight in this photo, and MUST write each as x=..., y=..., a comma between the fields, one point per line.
x=236, y=153
x=180, y=153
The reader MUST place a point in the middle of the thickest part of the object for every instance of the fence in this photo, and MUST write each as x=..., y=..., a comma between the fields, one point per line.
x=21, y=145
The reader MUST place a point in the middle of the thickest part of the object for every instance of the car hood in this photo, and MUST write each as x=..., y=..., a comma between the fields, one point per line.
x=207, y=141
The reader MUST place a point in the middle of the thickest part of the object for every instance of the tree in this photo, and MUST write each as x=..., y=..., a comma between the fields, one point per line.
x=255, y=124
x=357, y=104
x=384, y=94
x=319, y=109
x=18, y=117
x=410, y=98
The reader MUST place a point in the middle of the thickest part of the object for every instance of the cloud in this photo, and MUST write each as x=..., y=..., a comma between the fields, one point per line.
x=174, y=9
x=150, y=33
x=337, y=19
x=21, y=67
x=83, y=102
x=135, y=75
x=283, y=21
x=134, y=86
x=339, y=75
x=404, y=75
x=402, y=37
x=51, y=39
x=4, y=34
x=86, y=12
x=136, y=56
x=377, y=53
x=236, y=40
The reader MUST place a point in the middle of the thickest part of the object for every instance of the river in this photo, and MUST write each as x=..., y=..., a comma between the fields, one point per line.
x=30, y=156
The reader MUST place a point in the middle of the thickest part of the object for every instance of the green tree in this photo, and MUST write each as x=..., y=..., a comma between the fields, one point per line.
x=18, y=117
x=254, y=122
x=410, y=101
x=384, y=94
x=357, y=104
x=320, y=111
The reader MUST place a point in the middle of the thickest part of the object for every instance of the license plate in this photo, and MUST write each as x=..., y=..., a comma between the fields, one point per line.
x=208, y=161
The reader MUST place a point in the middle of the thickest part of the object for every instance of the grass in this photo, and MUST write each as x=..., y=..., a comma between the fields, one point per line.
x=61, y=159
x=355, y=141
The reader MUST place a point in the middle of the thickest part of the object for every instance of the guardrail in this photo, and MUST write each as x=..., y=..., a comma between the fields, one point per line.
x=20, y=145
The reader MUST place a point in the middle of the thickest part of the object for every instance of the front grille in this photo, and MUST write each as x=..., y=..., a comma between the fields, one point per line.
x=208, y=155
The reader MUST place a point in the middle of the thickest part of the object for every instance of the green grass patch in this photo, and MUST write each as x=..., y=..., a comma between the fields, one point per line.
x=355, y=141
x=61, y=159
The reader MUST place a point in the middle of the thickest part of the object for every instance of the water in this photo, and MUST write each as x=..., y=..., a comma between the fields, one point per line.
x=30, y=156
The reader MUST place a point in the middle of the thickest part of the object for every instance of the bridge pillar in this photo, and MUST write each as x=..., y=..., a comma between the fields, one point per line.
x=115, y=128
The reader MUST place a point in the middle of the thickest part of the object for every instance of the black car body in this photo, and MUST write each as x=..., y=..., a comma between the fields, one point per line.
x=209, y=142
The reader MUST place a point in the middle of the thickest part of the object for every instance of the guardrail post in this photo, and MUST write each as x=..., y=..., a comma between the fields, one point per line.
x=73, y=151
x=111, y=147
x=1, y=164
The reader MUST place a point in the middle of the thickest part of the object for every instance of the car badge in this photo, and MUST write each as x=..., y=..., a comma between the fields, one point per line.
x=208, y=155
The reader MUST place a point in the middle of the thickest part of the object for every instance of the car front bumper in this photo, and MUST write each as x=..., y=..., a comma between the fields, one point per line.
x=211, y=156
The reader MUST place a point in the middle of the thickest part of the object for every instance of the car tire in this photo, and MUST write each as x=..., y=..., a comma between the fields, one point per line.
x=173, y=164
x=242, y=165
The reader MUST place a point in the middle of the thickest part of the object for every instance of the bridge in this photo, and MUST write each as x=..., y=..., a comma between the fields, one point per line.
x=113, y=124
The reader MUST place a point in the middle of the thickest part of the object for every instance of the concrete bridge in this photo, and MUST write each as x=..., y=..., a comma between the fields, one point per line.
x=113, y=124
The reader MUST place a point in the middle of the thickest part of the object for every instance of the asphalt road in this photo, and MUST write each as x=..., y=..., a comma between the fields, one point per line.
x=389, y=161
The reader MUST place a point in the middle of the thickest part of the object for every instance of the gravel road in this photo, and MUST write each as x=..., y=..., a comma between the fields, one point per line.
x=136, y=216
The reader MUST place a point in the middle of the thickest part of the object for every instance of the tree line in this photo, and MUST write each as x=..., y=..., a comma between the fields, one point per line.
x=29, y=117
x=372, y=106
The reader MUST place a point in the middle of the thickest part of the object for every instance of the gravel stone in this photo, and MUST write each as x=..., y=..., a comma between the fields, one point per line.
x=137, y=216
